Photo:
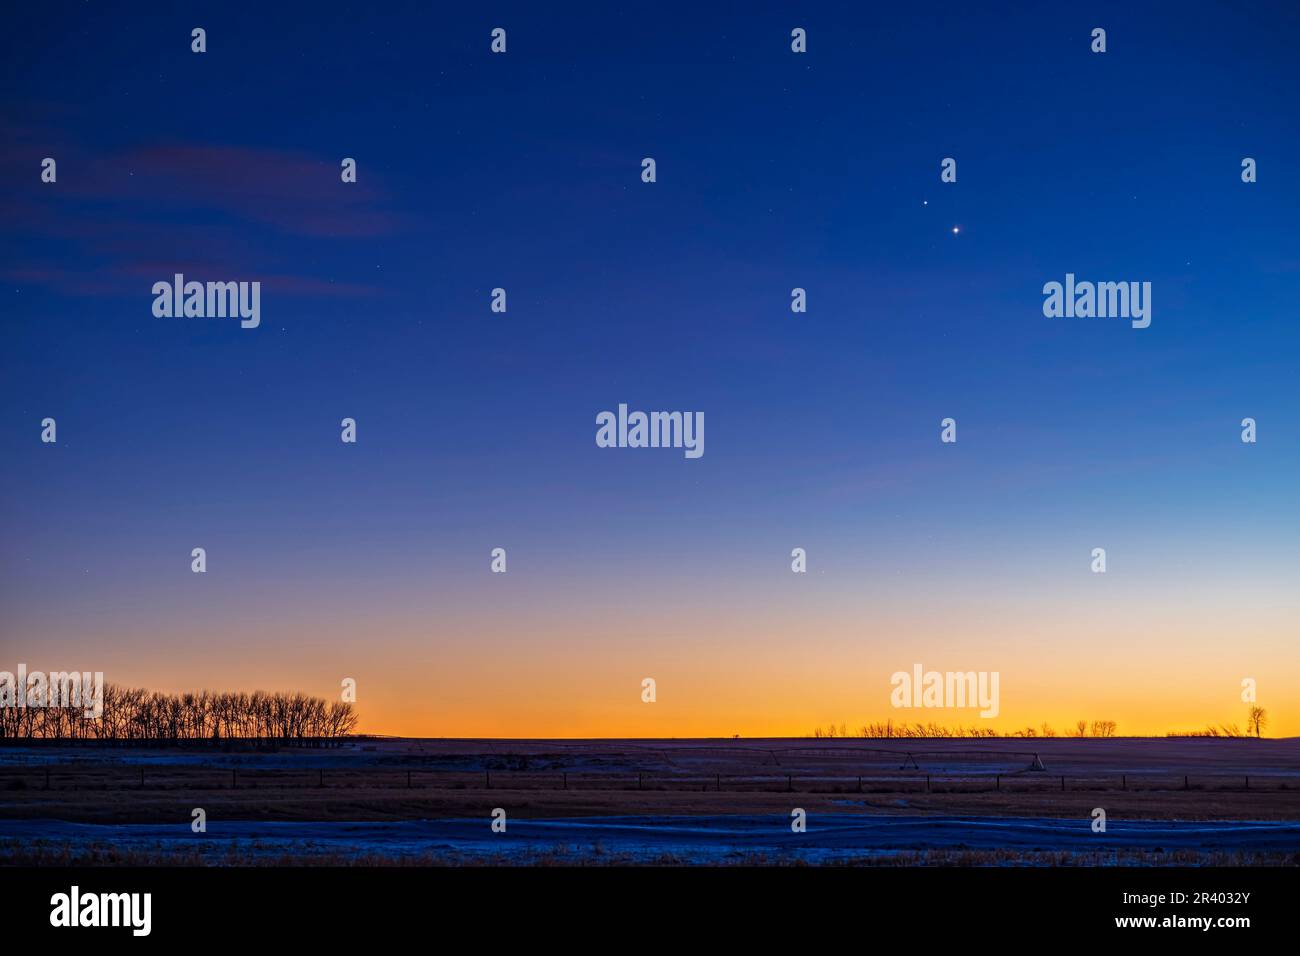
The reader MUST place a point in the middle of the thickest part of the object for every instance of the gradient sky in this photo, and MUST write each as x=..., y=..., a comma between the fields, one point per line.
x=477, y=430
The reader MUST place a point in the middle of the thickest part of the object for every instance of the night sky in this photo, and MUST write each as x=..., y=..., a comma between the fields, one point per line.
x=476, y=430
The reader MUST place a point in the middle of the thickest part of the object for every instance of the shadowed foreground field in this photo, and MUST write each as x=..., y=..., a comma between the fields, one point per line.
x=1192, y=801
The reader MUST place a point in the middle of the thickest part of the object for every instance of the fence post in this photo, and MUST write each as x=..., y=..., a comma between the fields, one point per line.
x=1123, y=782
x=998, y=783
x=927, y=783
x=719, y=781
x=1247, y=781
x=487, y=779
x=1186, y=784
x=1063, y=784
x=859, y=784
x=789, y=784
x=408, y=780
x=638, y=781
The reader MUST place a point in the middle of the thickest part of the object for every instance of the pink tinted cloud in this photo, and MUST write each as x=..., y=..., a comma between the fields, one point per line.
x=124, y=217
x=291, y=192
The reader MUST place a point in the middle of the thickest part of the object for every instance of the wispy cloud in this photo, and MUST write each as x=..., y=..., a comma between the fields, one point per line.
x=207, y=210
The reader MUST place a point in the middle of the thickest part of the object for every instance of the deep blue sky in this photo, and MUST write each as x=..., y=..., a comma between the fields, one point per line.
x=775, y=170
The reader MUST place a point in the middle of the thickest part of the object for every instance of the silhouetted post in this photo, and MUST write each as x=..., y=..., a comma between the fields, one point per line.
x=927, y=783
x=1063, y=785
x=789, y=784
x=408, y=780
x=1247, y=781
x=997, y=785
x=487, y=779
x=1123, y=782
x=321, y=781
x=719, y=779
x=859, y=784
x=565, y=775
x=1186, y=784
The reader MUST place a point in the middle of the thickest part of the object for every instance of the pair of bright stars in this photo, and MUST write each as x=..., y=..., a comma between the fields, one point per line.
x=956, y=230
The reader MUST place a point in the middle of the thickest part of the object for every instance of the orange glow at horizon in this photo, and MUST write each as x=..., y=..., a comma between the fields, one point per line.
x=715, y=680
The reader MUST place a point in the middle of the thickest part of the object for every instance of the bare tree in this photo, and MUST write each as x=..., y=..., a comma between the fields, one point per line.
x=137, y=714
x=1103, y=728
x=1256, y=719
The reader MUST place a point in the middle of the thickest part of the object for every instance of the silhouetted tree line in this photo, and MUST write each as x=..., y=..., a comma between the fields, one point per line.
x=889, y=730
x=133, y=713
x=1256, y=720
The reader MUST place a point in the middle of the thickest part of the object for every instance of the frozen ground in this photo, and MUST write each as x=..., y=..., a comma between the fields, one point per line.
x=1087, y=756
x=696, y=839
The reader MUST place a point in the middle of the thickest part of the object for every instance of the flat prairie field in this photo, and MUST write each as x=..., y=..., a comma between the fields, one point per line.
x=384, y=801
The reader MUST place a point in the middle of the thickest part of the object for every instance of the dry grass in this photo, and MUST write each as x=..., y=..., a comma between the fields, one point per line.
x=389, y=804
x=105, y=855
